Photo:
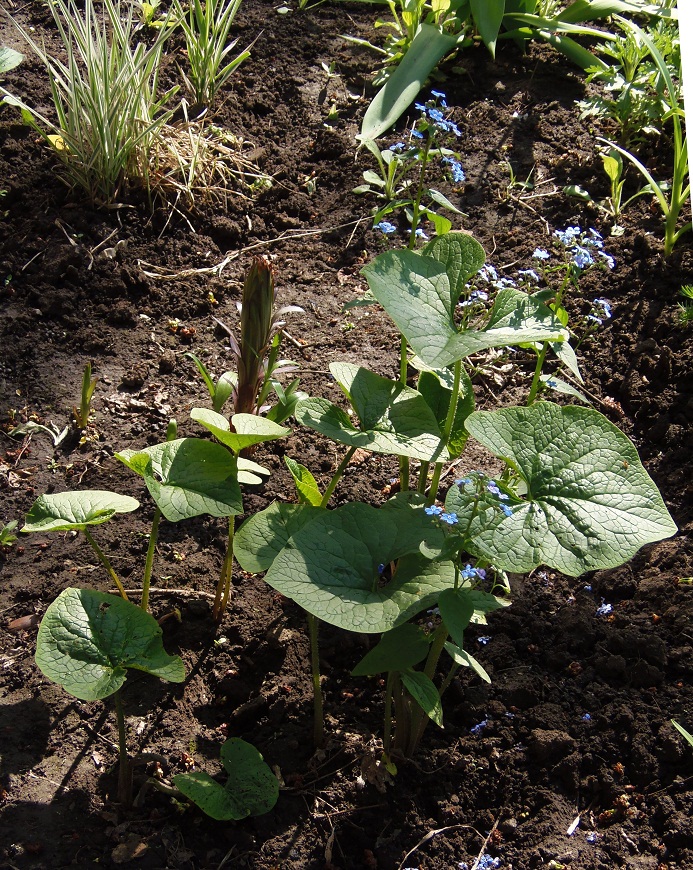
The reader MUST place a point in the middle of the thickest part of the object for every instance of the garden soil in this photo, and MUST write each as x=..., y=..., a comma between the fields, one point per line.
x=577, y=764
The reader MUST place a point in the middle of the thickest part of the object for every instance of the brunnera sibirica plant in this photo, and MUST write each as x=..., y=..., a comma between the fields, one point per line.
x=571, y=492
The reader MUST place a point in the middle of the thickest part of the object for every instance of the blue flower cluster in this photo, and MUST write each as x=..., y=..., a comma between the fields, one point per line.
x=604, y=609
x=491, y=487
x=582, y=246
x=444, y=516
x=456, y=171
x=474, y=296
x=386, y=227
x=541, y=254
x=477, y=729
x=601, y=311
x=433, y=114
x=469, y=573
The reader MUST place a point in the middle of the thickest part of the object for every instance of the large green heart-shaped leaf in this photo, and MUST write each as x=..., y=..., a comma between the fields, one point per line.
x=60, y=512
x=590, y=504
x=248, y=429
x=251, y=789
x=415, y=291
x=462, y=257
x=330, y=567
x=264, y=535
x=87, y=640
x=395, y=419
x=188, y=477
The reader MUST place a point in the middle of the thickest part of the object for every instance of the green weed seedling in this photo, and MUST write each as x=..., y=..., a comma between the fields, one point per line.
x=9, y=59
x=78, y=512
x=686, y=734
x=7, y=536
x=81, y=414
x=572, y=494
x=87, y=642
x=250, y=790
x=670, y=196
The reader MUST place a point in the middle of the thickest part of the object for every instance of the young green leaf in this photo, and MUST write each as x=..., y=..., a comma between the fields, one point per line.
x=423, y=691
x=306, y=485
x=456, y=611
x=462, y=257
x=590, y=503
x=188, y=477
x=248, y=429
x=9, y=59
x=330, y=566
x=395, y=419
x=398, y=649
x=87, y=640
x=251, y=789
x=465, y=660
x=488, y=16
x=61, y=512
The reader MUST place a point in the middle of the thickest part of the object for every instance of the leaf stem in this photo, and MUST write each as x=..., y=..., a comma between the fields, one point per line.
x=337, y=476
x=223, y=592
x=124, y=766
x=149, y=561
x=318, y=724
x=107, y=565
x=447, y=429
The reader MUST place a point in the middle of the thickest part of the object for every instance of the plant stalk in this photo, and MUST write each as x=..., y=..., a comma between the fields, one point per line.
x=447, y=429
x=107, y=565
x=318, y=722
x=337, y=476
x=223, y=592
x=149, y=561
x=124, y=765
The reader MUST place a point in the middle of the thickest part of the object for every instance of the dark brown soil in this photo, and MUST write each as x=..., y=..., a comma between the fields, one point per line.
x=578, y=713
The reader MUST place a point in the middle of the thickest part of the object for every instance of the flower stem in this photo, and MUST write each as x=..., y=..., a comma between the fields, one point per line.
x=107, y=565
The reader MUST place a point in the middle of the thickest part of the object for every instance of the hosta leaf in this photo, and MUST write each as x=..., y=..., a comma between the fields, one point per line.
x=87, y=640
x=423, y=691
x=395, y=419
x=59, y=512
x=188, y=477
x=590, y=504
x=249, y=429
x=398, y=649
x=330, y=566
x=415, y=291
x=251, y=789
x=264, y=535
